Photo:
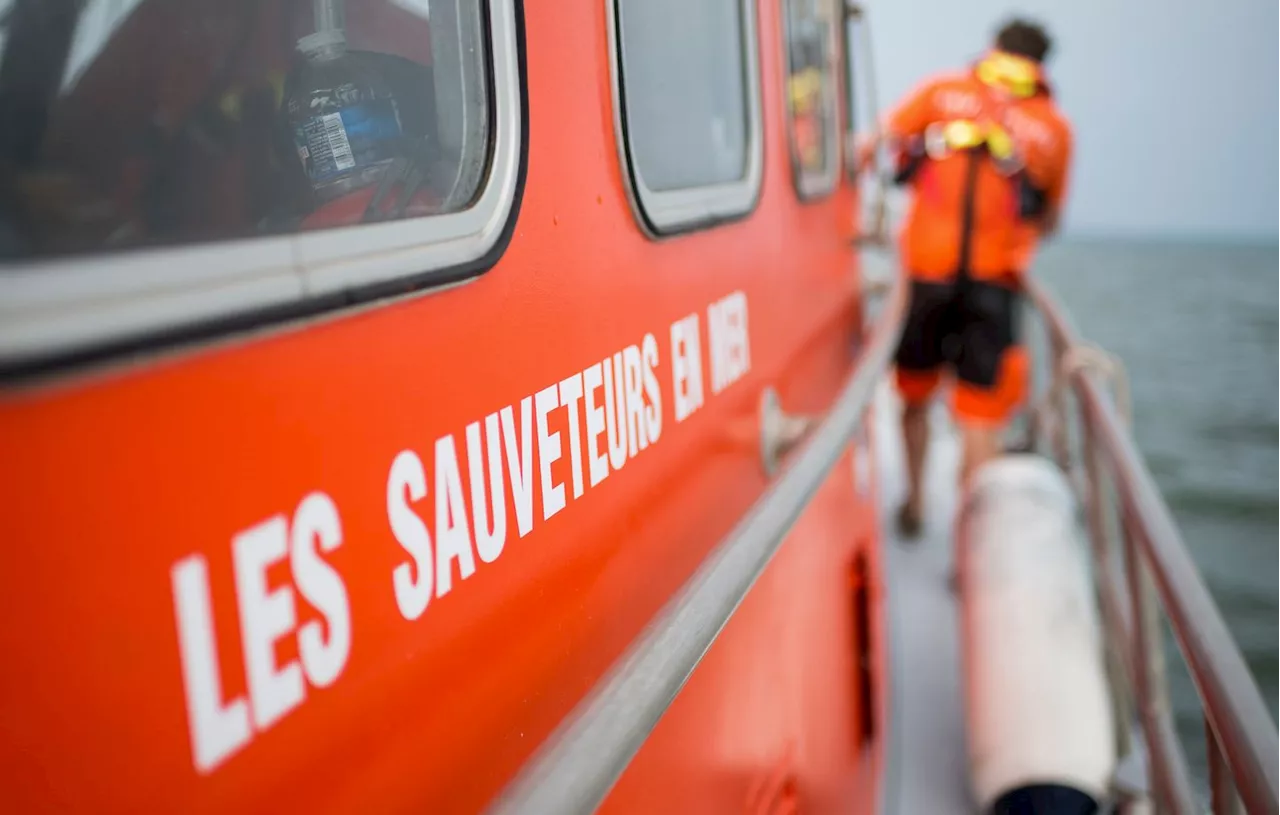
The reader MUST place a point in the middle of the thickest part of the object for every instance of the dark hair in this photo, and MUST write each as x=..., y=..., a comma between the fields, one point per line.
x=1024, y=38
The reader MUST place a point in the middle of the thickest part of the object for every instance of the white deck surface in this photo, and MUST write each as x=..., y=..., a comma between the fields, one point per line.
x=927, y=772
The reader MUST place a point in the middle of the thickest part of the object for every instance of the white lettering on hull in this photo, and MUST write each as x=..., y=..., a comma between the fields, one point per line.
x=686, y=367
x=267, y=614
x=616, y=402
x=730, y=344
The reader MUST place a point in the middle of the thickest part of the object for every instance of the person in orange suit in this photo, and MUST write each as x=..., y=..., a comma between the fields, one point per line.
x=985, y=153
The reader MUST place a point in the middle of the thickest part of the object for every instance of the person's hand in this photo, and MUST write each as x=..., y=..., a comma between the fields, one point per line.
x=1004, y=148
x=864, y=150
x=1001, y=142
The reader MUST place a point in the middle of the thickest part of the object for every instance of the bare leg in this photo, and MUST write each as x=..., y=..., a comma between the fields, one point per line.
x=915, y=436
x=981, y=444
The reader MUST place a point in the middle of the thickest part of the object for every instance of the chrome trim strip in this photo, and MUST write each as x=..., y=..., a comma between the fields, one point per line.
x=66, y=304
x=581, y=761
x=670, y=211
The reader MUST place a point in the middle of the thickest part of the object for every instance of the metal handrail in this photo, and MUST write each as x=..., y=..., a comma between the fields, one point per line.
x=582, y=760
x=1236, y=717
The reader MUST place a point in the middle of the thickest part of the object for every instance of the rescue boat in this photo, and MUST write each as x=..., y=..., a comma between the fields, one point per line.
x=470, y=405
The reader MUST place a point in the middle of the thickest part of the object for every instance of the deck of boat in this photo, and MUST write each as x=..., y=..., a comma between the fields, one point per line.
x=926, y=755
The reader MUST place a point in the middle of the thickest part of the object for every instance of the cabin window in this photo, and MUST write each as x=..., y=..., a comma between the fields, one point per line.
x=687, y=83
x=164, y=162
x=813, y=127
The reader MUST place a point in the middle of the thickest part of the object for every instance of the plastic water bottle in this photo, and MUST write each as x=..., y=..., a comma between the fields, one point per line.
x=344, y=119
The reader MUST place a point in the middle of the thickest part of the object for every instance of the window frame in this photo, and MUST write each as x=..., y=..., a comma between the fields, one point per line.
x=812, y=186
x=663, y=213
x=86, y=305
x=849, y=75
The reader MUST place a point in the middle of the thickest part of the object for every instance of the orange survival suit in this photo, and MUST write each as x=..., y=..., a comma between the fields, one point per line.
x=985, y=153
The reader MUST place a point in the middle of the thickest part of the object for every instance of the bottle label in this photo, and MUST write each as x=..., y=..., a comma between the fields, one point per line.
x=330, y=144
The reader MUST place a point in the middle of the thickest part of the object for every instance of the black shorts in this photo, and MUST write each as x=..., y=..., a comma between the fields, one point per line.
x=964, y=324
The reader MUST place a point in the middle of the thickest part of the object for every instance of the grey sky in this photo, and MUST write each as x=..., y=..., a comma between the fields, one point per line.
x=1174, y=103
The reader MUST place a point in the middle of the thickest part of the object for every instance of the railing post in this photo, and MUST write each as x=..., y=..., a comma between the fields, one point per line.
x=1036, y=435
x=1222, y=788
x=1141, y=658
x=1097, y=505
x=1058, y=397
x=1169, y=774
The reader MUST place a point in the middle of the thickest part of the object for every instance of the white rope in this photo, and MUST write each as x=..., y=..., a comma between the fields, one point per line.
x=1090, y=358
x=1048, y=421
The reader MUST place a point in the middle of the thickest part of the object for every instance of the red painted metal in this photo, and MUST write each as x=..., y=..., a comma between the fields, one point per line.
x=111, y=478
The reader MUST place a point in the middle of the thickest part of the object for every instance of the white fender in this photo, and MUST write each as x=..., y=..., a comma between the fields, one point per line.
x=1036, y=696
